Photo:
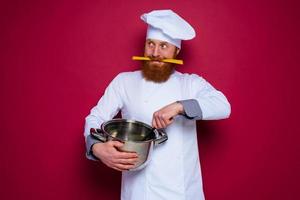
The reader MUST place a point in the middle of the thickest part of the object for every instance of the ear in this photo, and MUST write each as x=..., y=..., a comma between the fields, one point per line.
x=177, y=51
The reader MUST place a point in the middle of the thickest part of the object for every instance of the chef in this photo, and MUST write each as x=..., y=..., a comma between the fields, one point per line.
x=165, y=98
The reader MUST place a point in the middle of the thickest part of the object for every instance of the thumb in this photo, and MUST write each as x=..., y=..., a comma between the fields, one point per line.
x=117, y=144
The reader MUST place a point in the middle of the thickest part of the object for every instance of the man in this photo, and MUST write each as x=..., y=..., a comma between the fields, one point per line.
x=165, y=98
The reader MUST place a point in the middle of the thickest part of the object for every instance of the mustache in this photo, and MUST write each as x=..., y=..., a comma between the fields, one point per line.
x=152, y=58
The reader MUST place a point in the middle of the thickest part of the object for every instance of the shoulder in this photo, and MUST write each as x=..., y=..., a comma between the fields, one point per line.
x=192, y=82
x=125, y=76
x=188, y=77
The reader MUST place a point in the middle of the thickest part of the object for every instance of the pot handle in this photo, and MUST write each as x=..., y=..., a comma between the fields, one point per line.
x=161, y=136
x=98, y=134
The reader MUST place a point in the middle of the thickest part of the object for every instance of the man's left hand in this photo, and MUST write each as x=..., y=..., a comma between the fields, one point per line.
x=165, y=116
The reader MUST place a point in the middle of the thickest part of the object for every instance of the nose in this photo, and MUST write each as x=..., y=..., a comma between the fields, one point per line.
x=155, y=52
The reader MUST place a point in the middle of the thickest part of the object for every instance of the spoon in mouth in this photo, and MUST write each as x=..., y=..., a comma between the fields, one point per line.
x=169, y=60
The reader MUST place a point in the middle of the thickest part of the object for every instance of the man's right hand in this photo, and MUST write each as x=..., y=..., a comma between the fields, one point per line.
x=109, y=154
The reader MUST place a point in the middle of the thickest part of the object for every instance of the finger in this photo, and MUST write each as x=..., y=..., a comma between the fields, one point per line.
x=163, y=121
x=169, y=121
x=124, y=167
x=112, y=165
x=156, y=118
x=126, y=155
x=154, y=122
x=131, y=161
x=116, y=168
x=117, y=144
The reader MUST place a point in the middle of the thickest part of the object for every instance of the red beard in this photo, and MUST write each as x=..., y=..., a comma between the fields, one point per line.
x=153, y=72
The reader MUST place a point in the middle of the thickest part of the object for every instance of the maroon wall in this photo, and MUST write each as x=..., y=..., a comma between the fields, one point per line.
x=57, y=57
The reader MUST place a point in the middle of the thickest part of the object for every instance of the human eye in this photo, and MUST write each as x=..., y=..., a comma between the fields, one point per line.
x=150, y=44
x=164, y=46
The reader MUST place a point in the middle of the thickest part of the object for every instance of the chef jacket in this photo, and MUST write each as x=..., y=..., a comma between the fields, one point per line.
x=174, y=171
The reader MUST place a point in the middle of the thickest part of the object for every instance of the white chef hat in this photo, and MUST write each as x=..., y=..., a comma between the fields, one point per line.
x=167, y=26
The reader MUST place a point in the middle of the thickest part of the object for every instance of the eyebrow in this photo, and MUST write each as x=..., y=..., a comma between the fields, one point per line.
x=166, y=43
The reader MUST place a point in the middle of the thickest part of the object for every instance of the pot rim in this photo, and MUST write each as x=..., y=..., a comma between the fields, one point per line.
x=130, y=121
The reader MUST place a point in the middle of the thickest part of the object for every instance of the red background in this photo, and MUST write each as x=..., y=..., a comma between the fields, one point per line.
x=57, y=57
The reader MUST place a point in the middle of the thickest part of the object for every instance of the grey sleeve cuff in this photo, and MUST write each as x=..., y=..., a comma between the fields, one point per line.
x=90, y=141
x=192, y=109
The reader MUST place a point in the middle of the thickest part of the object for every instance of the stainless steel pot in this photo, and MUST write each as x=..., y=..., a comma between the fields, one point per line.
x=137, y=137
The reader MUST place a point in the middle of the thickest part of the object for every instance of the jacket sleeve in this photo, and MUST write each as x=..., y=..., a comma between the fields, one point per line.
x=191, y=109
x=107, y=107
x=204, y=101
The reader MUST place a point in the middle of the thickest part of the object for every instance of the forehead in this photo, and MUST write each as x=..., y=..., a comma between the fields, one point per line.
x=159, y=42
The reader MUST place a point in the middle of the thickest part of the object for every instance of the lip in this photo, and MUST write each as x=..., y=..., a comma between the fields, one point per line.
x=155, y=61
